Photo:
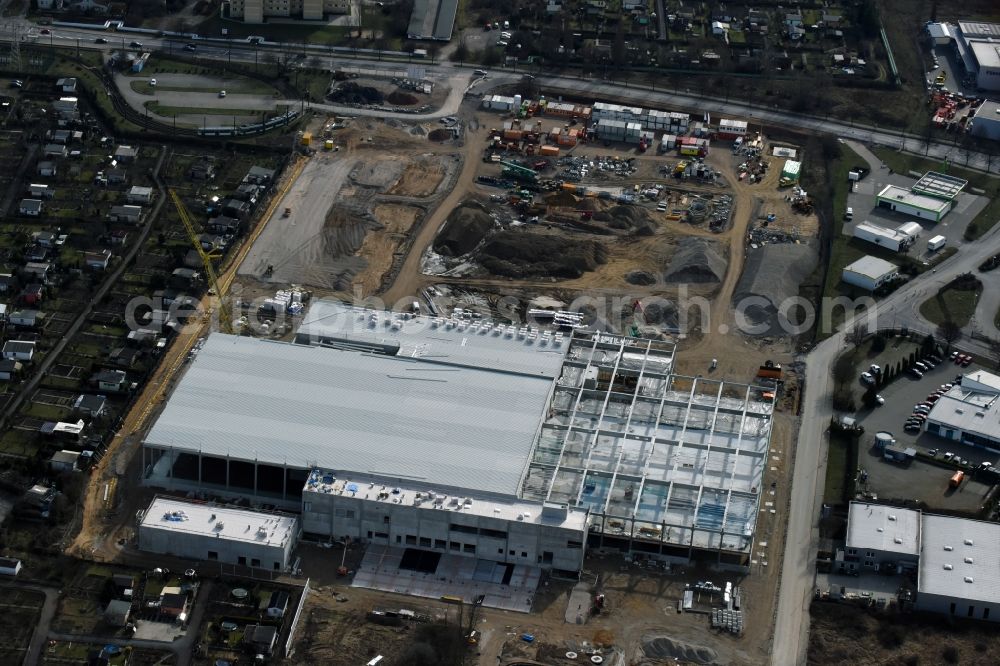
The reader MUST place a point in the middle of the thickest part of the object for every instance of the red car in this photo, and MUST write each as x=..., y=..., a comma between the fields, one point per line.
x=966, y=361
x=933, y=397
x=959, y=358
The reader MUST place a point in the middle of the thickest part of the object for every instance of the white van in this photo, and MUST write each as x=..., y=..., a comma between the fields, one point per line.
x=849, y=215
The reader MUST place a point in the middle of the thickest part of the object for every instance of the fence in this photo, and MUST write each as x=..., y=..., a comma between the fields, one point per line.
x=289, y=648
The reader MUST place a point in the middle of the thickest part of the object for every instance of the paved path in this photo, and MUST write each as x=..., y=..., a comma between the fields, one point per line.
x=798, y=566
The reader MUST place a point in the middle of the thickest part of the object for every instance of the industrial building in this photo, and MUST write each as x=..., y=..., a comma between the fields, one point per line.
x=969, y=412
x=986, y=123
x=870, y=273
x=930, y=198
x=977, y=46
x=897, y=240
x=256, y=11
x=471, y=439
x=957, y=559
x=199, y=531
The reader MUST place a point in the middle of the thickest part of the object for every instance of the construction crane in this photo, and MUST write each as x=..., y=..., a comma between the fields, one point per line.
x=225, y=315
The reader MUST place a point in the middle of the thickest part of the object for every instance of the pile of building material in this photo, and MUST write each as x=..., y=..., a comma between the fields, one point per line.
x=696, y=260
x=771, y=275
x=728, y=620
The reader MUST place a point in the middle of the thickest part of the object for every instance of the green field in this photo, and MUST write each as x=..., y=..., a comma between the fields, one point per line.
x=950, y=304
x=172, y=111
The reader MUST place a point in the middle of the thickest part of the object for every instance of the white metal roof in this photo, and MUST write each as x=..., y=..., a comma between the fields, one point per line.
x=444, y=341
x=871, y=267
x=969, y=409
x=908, y=198
x=960, y=559
x=388, y=416
x=893, y=235
x=174, y=515
x=884, y=528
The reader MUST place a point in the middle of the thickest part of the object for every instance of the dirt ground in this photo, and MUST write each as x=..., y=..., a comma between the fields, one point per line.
x=849, y=634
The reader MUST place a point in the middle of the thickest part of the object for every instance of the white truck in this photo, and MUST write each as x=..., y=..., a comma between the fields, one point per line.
x=936, y=243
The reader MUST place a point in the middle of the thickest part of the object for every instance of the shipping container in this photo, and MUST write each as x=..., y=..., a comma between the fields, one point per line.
x=549, y=151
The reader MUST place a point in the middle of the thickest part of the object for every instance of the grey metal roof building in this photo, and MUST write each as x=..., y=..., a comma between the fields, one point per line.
x=432, y=19
x=960, y=567
x=596, y=428
x=390, y=416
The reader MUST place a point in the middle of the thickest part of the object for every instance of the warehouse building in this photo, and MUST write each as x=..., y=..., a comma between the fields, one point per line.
x=969, y=412
x=986, y=123
x=930, y=198
x=977, y=46
x=472, y=439
x=199, y=531
x=870, y=273
x=957, y=559
x=256, y=11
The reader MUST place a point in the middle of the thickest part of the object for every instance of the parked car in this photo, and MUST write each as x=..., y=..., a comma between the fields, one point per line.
x=875, y=368
x=932, y=452
x=919, y=365
x=867, y=378
x=152, y=83
x=953, y=355
x=915, y=373
x=911, y=427
x=966, y=361
x=879, y=400
x=480, y=72
x=949, y=455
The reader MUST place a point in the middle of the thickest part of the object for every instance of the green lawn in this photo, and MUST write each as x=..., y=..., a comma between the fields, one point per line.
x=841, y=251
x=244, y=87
x=171, y=111
x=905, y=162
x=951, y=305
x=839, y=469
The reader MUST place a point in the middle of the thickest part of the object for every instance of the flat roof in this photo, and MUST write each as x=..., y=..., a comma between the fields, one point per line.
x=245, y=526
x=960, y=559
x=988, y=110
x=450, y=341
x=882, y=232
x=979, y=29
x=884, y=528
x=970, y=410
x=939, y=185
x=987, y=53
x=871, y=267
x=325, y=482
x=915, y=199
x=352, y=411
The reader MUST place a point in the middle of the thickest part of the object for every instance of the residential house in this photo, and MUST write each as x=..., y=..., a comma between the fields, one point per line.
x=126, y=154
x=64, y=461
x=39, y=270
x=64, y=431
x=9, y=566
x=9, y=370
x=30, y=207
x=90, y=405
x=184, y=277
x=122, y=585
x=97, y=260
x=37, y=254
x=260, y=638
x=109, y=380
x=47, y=169
x=224, y=225
x=248, y=192
x=142, y=337
x=202, y=170
x=26, y=318
x=44, y=238
x=719, y=28
x=259, y=176
x=8, y=283
x=37, y=500
x=19, y=350
x=41, y=191
x=62, y=137
x=67, y=85
x=793, y=20
x=116, y=176
x=117, y=612
x=124, y=357
x=173, y=602
x=32, y=293
x=139, y=195
x=211, y=243
x=54, y=150
x=118, y=237
x=831, y=19
x=235, y=208
x=127, y=213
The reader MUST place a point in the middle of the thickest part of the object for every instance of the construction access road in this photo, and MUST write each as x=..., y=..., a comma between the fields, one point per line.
x=802, y=538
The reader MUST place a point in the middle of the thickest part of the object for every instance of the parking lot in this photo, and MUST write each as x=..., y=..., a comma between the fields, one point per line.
x=919, y=480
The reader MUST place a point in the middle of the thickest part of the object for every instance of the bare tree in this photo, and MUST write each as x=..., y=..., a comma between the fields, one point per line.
x=950, y=332
x=857, y=335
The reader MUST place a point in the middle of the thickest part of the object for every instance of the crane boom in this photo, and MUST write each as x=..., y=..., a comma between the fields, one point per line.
x=225, y=316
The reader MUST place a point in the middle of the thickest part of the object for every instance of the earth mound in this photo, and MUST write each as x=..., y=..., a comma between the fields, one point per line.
x=696, y=260
x=530, y=254
x=464, y=229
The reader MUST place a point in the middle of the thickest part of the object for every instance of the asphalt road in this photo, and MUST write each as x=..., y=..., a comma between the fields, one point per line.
x=683, y=100
x=799, y=565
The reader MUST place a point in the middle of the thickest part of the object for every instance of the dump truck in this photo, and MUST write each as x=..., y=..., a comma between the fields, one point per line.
x=956, y=479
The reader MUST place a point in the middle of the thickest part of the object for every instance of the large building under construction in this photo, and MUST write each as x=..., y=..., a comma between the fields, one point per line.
x=499, y=442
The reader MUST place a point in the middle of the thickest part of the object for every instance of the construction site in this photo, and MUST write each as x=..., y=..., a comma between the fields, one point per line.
x=542, y=214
